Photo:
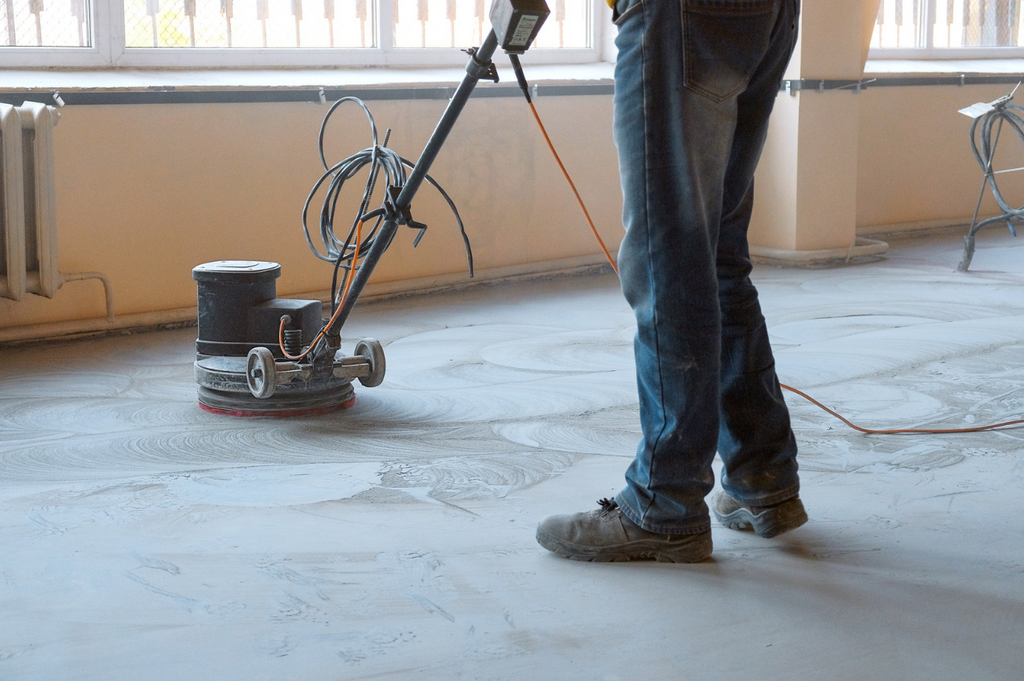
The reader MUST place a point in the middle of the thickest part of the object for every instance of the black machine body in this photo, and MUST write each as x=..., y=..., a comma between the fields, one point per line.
x=253, y=354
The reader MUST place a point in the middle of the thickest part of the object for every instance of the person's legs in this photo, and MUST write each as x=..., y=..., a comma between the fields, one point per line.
x=688, y=136
x=695, y=80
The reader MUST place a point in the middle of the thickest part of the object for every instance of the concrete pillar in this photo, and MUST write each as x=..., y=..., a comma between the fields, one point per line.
x=806, y=184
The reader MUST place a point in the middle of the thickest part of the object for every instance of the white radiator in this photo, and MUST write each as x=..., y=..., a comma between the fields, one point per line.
x=28, y=206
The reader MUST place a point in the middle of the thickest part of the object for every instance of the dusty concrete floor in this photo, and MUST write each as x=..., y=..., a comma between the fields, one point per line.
x=143, y=538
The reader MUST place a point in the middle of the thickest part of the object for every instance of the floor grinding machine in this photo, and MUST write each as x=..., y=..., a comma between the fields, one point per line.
x=260, y=355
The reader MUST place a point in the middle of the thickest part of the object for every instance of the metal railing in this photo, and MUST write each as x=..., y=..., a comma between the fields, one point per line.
x=948, y=24
x=281, y=23
x=248, y=23
x=38, y=23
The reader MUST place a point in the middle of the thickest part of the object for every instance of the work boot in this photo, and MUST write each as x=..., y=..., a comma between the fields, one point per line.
x=606, y=535
x=766, y=521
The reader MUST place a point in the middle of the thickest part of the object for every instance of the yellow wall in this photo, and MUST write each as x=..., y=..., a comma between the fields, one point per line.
x=907, y=164
x=914, y=160
x=146, y=192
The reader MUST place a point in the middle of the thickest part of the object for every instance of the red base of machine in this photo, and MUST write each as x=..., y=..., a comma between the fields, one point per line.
x=280, y=413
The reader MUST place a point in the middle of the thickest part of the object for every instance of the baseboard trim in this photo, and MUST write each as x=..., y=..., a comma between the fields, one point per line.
x=861, y=248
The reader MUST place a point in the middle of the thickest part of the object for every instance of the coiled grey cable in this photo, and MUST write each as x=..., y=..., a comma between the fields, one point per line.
x=984, y=148
x=381, y=159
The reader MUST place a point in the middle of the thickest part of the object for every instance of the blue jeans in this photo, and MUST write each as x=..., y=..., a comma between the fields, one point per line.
x=695, y=82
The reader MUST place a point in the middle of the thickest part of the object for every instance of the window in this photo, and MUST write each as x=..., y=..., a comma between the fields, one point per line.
x=948, y=29
x=240, y=33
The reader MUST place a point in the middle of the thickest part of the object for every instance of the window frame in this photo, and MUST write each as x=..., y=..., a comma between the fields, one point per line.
x=108, y=50
x=930, y=52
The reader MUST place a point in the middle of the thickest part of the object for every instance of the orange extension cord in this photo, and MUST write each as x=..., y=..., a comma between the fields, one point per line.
x=565, y=172
x=869, y=431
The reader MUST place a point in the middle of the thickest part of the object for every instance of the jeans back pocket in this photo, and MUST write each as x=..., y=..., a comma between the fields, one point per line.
x=724, y=41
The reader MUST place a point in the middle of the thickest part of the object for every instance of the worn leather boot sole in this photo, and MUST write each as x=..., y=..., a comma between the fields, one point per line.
x=686, y=549
x=607, y=536
x=765, y=521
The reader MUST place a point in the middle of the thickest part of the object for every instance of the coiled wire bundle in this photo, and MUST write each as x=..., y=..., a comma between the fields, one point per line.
x=983, y=144
x=347, y=253
x=984, y=147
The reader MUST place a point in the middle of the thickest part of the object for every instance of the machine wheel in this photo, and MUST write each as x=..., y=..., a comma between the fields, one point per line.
x=260, y=373
x=371, y=350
